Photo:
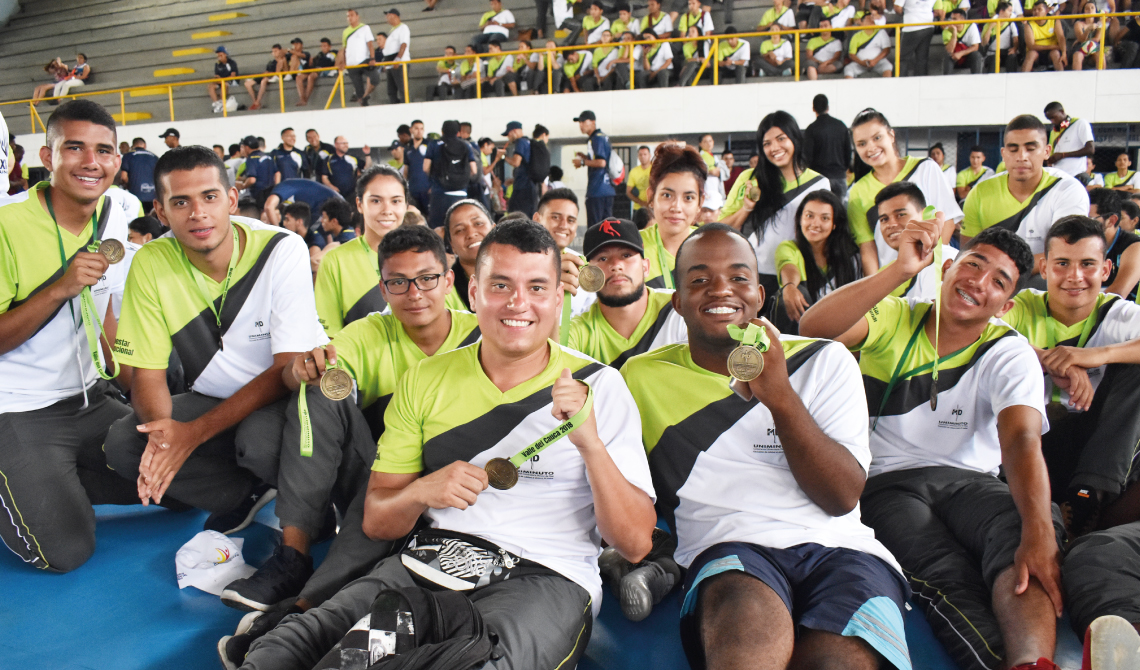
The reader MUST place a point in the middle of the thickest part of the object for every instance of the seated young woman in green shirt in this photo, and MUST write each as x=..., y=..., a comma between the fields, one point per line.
x=822, y=258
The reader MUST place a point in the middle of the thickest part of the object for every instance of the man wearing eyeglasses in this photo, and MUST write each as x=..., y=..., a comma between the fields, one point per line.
x=376, y=351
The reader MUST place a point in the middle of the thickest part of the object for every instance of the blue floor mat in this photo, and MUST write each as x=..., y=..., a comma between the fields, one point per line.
x=123, y=609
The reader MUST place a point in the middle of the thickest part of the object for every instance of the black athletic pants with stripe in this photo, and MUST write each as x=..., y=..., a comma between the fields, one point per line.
x=543, y=622
x=52, y=470
x=1097, y=449
x=953, y=531
x=1102, y=576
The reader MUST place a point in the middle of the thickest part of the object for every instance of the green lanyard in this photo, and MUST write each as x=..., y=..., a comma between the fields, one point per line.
x=898, y=375
x=666, y=273
x=303, y=415
x=367, y=249
x=1051, y=339
x=564, y=325
x=90, y=315
x=204, y=289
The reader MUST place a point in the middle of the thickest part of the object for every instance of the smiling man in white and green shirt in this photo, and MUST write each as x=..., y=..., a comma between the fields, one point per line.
x=954, y=394
x=234, y=298
x=54, y=408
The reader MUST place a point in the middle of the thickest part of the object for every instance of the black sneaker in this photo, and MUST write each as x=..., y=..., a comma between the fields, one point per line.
x=645, y=586
x=328, y=528
x=241, y=516
x=233, y=648
x=282, y=576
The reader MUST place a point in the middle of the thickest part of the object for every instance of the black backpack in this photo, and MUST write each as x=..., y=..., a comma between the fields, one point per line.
x=451, y=169
x=539, y=166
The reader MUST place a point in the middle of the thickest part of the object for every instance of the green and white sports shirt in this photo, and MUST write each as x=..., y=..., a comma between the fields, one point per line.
x=661, y=325
x=55, y=362
x=863, y=213
x=446, y=409
x=997, y=371
x=1113, y=321
x=268, y=310
x=991, y=204
x=348, y=285
x=718, y=465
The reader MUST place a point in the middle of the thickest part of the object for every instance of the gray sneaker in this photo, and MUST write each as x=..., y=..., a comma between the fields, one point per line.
x=646, y=585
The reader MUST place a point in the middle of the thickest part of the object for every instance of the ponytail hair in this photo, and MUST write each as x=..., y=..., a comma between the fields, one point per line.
x=673, y=158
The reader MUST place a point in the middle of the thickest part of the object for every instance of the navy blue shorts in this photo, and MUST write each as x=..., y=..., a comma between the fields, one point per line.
x=831, y=589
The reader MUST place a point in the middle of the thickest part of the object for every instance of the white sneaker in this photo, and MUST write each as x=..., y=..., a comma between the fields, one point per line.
x=217, y=106
x=1114, y=644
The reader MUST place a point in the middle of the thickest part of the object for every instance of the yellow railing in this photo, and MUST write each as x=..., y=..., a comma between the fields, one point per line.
x=549, y=54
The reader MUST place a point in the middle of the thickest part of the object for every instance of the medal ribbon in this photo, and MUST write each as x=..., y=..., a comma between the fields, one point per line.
x=666, y=273
x=898, y=375
x=89, y=314
x=1051, y=339
x=752, y=336
x=303, y=415
x=564, y=429
x=927, y=214
x=204, y=289
x=564, y=325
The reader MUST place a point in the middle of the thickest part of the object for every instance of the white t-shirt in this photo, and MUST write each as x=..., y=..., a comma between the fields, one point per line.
x=783, y=52
x=972, y=36
x=132, y=207
x=930, y=179
x=916, y=11
x=401, y=35
x=55, y=363
x=1005, y=40
x=658, y=59
x=1120, y=324
x=549, y=516
x=827, y=51
x=1073, y=138
x=606, y=65
x=278, y=315
x=1098, y=180
x=356, y=49
x=595, y=35
x=951, y=176
x=962, y=432
x=840, y=20
x=782, y=225
x=504, y=16
x=740, y=487
x=874, y=46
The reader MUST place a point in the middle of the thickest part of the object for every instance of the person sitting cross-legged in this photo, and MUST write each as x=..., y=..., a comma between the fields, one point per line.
x=761, y=481
x=953, y=396
x=456, y=423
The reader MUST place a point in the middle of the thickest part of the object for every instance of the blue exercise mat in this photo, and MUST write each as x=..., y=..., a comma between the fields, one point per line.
x=123, y=609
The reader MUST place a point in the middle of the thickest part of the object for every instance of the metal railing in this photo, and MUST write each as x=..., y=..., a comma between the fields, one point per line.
x=549, y=54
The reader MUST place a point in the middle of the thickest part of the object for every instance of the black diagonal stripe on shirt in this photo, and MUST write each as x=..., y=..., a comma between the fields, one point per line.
x=374, y=416
x=100, y=228
x=1014, y=222
x=646, y=340
x=676, y=452
x=915, y=391
x=672, y=460
x=471, y=338
x=799, y=190
x=197, y=341
x=657, y=282
x=462, y=443
x=1101, y=313
x=873, y=213
x=372, y=301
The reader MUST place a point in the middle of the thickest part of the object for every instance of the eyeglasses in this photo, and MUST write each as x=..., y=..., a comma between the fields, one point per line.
x=400, y=285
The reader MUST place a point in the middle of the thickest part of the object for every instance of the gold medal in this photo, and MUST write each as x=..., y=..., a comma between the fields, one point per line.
x=336, y=384
x=591, y=278
x=112, y=250
x=745, y=363
x=1056, y=411
x=501, y=473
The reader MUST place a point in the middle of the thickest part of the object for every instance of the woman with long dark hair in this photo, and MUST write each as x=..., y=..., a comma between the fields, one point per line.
x=783, y=179
x=822, y=257
x=874, y=141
